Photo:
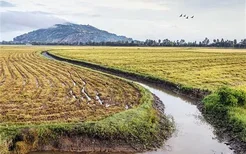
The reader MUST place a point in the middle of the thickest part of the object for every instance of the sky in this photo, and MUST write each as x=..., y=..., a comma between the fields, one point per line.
x=138, y=19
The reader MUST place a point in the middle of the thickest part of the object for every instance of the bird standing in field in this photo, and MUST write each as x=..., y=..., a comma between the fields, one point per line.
x=187, y=17
x=192, y=17
x=184, y=15
x=181, y=15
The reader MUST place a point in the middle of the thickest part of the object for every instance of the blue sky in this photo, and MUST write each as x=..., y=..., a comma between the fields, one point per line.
x=139, y=19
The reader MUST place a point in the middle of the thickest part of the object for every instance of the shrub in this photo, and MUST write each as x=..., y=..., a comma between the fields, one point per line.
x=223, y=106
x=231, y=97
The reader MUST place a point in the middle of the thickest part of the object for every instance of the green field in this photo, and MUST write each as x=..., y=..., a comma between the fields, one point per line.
x=222, y=71
x=42, y=99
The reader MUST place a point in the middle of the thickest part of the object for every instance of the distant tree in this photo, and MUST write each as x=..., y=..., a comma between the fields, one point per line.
x=166, y=42
x=205, y=42
x=177, y=43
x=235, y=42
x=200, y=43
x=182, y=42
x=243, y=43
x=222, y=43
x=195, y=43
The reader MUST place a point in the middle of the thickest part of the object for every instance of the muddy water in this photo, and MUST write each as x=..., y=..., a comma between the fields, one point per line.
x=193, y=134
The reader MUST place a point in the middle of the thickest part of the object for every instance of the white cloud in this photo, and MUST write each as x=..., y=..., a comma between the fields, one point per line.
x=139, y=19
x=130, y=4
x=6, y=4
x=14, y=23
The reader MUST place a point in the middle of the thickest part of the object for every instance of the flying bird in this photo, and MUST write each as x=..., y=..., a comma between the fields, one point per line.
x=186, y=16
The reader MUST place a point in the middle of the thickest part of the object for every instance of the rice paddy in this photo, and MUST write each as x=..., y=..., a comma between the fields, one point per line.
x=43, y=99
x=202, y=68
x=192, y=67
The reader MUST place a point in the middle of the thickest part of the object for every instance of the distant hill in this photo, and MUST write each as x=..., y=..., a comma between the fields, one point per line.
x=70, y=33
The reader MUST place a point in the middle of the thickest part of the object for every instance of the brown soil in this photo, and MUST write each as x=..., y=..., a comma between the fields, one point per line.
x=86, y=144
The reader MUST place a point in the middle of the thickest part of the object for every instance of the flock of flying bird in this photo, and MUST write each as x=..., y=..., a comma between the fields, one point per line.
x=185, y=16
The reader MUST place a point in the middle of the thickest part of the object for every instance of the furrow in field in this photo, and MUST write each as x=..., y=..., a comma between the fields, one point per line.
x=13, y=83
x=58, y=70
x=24, y=76
x=15, y=61
x=38, y=83
x=45, y=77
x=13, y=76
x=40, y=90
x=73, y=82
x=60, y=75
x=74, y=85
x=3, y=77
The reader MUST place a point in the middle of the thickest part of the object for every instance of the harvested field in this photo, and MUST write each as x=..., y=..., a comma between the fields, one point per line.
x=34, y=89
x=43, y=101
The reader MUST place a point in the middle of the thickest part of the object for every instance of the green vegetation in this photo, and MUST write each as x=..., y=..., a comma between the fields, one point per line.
x=42, y=100
x=230, y=105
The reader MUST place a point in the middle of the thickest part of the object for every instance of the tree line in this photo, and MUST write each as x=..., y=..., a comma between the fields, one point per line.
x=149, y=43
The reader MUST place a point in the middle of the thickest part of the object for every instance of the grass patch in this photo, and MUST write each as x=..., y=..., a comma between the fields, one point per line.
x=228, y=107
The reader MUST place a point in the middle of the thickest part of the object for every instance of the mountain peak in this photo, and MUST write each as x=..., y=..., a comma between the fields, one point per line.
x=69, y=23
x=70, y=33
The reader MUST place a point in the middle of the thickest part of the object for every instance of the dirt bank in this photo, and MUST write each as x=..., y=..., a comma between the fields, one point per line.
x=27, y=141
x=75, y=143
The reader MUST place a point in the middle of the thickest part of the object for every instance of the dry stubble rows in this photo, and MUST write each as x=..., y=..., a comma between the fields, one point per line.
x=35, y=89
